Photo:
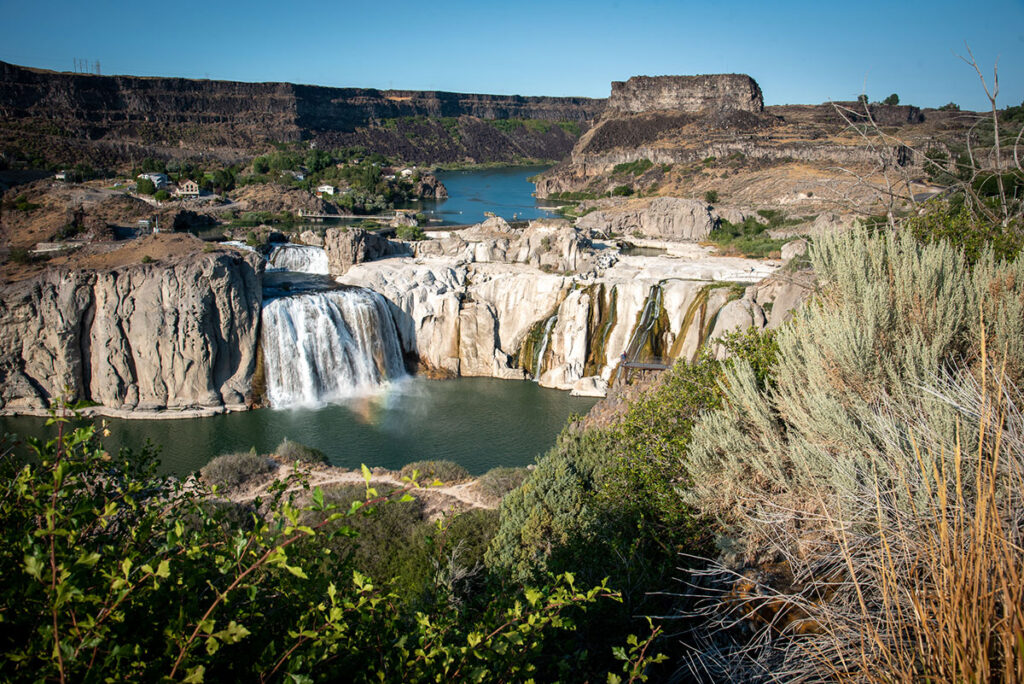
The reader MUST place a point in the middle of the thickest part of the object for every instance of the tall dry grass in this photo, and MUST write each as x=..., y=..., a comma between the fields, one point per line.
x=917, y=576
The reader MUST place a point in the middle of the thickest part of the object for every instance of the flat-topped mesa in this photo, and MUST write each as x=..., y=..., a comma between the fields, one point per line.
x=685, y=93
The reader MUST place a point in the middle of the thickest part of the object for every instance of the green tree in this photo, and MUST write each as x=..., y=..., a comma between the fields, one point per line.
x=144, y=186
x=893, y=99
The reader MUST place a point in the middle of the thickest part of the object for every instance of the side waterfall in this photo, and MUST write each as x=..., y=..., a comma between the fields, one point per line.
x=326, y=346
x=299, y=258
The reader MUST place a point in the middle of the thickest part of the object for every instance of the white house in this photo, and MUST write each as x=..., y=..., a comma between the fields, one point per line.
x=322, y=190
x=159, y=180
x=188, y=188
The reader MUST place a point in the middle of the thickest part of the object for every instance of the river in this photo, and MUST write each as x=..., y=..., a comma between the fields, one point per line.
x=504, y=191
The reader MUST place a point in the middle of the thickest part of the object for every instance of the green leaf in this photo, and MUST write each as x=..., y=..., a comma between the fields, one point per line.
x=34, y=566
x=233, y=633
x=366, y=473
x=164, y=569
x=318, y=497
x=212, y=645
x=195, y=675
x=126, y=566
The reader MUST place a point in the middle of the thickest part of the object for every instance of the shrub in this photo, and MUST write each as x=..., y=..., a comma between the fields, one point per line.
x=146, y=259
x=622, y=191
x=19, y=255
x=497, y=482
x=410, y=233
x=428, y=471
x=144, y=186
x=636, y=168
x=950, y=107
x=117, y=562
x=893, y=99
x=289, y=452
x=161, y=195
x=230, y=471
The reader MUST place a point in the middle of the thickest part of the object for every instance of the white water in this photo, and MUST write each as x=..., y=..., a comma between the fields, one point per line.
x=328, y=346
x=539, y=365
x=299, y=258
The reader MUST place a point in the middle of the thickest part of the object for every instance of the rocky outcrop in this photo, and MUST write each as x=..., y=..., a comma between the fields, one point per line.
x=348, y=246
x=172, y=335
x=466, y=317
x=552, y=245
x=685, y=94
x=667, y=218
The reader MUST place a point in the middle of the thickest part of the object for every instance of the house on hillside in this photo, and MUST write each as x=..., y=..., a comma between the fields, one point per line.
x=188, y=188
x=160, y=180
x=322, y=190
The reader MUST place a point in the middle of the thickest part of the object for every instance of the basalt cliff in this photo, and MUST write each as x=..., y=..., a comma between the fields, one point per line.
x=685, y=136
x=134, y=333
x=110, y=120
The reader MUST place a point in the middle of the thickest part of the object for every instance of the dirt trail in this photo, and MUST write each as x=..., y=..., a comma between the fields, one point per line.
x=437, y=499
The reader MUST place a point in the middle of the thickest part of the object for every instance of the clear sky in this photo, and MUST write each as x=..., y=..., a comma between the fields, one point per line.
x=799, y=52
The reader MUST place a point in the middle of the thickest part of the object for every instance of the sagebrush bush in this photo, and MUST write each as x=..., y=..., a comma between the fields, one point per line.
x=497, y=482
x=447, y=472
x=289, y=452
x=860, y=465
x=232, y=470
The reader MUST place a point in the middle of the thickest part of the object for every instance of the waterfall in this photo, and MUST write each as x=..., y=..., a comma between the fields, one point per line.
x=538, y=364
x=299, y=258
x=326, y=346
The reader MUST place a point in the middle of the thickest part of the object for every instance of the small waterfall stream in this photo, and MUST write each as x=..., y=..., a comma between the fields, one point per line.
x=324, y=346
x=299, y=258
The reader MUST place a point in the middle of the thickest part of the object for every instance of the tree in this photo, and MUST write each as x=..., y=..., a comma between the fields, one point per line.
x=161, y=196
x=862, y=99
x=144, y=186
x=893, y=99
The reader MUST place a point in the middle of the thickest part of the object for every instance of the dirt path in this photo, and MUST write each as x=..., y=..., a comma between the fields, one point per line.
x=437, y=499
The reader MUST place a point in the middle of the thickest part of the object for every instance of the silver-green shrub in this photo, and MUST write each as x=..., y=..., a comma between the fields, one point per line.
x=892, y=316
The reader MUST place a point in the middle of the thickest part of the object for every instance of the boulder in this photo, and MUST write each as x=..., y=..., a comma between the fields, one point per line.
x=794, y=248
x=667, y=218
x=346, y=247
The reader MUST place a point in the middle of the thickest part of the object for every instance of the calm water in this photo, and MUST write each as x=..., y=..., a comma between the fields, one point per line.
x=503, y=191
x=479, y=423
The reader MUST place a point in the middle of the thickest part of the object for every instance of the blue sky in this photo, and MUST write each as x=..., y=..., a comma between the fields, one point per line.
x=799, y=52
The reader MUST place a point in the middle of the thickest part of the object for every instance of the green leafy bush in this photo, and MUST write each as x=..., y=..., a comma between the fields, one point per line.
x=145, y=186
x=622, y=191
x=635, y=168
x=410, y=233
x=711, y=196
x=161, y=195
x=111, y=573
x=448, y=472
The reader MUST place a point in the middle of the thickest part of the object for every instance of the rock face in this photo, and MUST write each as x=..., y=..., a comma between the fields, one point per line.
x=111, y=119
x=348, y=246
x=667, y=218
x=685, y=94
x=552, y=245
x=462, y=316
x=146, y=337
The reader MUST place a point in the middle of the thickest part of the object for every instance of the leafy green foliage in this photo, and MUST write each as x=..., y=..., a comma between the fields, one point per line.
x=161, y=195
x=411, y=233
x=112, y=573
x=635, y=168
x=711, y=196
x=749, y=238
x=953, y=222
x=893, y=99
x=622, y=191
x=145, y=186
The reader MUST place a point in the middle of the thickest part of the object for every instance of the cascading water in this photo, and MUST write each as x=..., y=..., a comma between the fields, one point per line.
x=325, y=346
x=299, y=258
x=539, y=362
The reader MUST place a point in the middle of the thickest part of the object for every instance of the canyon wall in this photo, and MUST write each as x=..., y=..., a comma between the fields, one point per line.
x=113, y=118
x=145, y=337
